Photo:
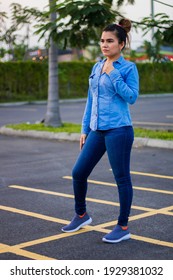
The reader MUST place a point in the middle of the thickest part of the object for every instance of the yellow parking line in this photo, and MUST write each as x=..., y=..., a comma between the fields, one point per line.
x=140, y=216
x=114, y=185
x=106, y=202
x=17, y=248
x=29, y=255
x=3, y=248
x=33, y=214
x=152, y=175
x=24, y=253
x=50, y=238
x=152, y=241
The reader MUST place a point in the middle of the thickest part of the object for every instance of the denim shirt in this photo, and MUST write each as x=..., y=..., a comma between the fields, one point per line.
x=108, y=96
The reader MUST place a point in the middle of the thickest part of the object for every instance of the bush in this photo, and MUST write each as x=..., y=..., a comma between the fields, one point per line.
x=20, y=81
x=156, y=77
x=28, y=81
x=73, y=78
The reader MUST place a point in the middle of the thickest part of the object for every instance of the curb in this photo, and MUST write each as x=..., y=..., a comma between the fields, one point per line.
x=64, y=136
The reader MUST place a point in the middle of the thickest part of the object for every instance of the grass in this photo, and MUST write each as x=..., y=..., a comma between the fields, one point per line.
x=66, y=127
x=155, y=134
x=76, y=128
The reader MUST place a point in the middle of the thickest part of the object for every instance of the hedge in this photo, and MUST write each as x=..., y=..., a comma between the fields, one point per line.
x=27, y=81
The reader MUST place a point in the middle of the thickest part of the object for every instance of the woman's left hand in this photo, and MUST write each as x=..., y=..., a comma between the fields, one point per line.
x=108, y=68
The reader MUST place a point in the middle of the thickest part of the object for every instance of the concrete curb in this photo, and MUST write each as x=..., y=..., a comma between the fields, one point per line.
x=40, y=134
x=149, y=142
x=64, y=136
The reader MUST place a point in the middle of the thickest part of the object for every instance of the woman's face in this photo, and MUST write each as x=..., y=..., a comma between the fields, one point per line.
x=110, y=45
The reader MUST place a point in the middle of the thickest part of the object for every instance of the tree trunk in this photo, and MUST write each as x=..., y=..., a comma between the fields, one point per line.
x=52, y=116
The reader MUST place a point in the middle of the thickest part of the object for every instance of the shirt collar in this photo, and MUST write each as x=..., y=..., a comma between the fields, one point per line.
x=119, y=60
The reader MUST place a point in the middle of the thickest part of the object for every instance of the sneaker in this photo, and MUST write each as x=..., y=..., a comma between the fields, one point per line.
x=116, y=235
x=77, y=223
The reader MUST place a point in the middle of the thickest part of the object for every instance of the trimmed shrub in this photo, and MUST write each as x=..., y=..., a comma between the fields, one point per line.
x=28, y=81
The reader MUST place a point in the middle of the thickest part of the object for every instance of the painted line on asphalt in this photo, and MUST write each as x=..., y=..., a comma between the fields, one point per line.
x=114, y=185
x=16, y=249
x=94, y=200
x=150, y=174
x=148, y=211
x=50, y=238
x=33, y=215
x=164, y=211
x=152, y=241
x=20, y=252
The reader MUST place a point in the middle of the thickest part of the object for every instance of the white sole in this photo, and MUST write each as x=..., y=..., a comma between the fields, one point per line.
x=125, y=237
x=89, y=221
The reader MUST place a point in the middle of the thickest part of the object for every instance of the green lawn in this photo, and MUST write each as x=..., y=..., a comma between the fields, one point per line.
x=76, y=128
x=66, y=127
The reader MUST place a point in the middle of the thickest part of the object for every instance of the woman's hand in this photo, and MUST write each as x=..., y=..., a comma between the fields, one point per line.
x=108, y=67
x=82, y=140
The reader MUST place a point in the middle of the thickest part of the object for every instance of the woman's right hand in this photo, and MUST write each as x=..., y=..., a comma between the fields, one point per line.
x=82, y=140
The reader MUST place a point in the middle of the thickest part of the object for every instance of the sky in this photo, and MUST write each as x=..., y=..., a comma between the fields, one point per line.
x=141, y=8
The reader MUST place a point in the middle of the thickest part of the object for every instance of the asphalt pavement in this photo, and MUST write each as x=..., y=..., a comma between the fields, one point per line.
x=150, y=111
x=37, y=200
x=37, y=197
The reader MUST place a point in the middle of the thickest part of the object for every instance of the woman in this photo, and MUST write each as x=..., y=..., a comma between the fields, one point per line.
x=107, y=127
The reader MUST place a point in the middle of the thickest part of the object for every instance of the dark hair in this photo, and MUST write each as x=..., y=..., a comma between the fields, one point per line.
x=121, y=30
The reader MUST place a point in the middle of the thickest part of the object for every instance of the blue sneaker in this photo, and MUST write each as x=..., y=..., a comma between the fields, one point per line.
x=116, y=235
x=77, y=223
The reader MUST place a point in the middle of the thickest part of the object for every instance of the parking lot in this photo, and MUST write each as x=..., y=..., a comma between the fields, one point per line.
x=37, y=200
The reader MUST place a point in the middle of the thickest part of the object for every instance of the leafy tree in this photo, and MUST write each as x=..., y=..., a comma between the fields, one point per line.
x=74, y=22
x=121, y=2
x=168, y=36
x=18, y=52
x=163, y=33
x=79, y=22
x=2, y=52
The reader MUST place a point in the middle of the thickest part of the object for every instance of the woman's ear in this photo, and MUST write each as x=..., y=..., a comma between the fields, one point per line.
x=122, y=45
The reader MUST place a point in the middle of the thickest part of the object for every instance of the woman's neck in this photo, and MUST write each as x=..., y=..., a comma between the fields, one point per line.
x=112, y=59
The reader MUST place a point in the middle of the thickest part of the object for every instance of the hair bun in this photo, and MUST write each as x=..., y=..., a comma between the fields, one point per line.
x=126, y=24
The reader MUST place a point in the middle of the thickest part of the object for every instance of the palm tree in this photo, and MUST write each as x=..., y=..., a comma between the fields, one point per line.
x=52, y=117
x=91, y=17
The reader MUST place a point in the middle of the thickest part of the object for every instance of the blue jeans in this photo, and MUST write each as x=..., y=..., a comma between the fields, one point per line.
x=118, y=143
